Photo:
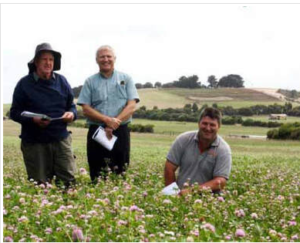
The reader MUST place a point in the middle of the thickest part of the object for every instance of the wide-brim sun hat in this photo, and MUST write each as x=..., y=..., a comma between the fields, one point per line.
x=45, y=47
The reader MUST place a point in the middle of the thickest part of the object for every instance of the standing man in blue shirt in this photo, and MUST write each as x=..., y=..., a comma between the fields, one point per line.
x=46, y=144
x=108, y=99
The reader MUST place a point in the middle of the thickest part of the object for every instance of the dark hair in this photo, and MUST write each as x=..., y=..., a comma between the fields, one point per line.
x=212, y=113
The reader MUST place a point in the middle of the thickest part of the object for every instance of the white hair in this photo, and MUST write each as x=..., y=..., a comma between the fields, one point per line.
x=105, y=47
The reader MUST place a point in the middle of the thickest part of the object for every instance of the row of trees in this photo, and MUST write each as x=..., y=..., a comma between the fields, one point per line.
x=148, y=85
x=287, y=108
x=232, y=120
x=293, y=94
x=77, y=90
x=148, y=128
x=192, y=82
x=190, y=112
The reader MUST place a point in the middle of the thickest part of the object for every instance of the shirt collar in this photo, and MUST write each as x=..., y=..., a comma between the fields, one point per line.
x=36, y=77
x=196, y=137
x=102, y=76
x=215, y=143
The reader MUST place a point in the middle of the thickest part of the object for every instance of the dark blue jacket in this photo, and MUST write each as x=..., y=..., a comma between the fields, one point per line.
x=50, y=97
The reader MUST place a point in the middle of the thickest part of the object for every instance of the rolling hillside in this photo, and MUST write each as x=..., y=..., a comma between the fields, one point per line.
x=176, y=98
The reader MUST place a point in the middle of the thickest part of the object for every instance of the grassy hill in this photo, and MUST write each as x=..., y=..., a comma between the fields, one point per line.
x=176, y=98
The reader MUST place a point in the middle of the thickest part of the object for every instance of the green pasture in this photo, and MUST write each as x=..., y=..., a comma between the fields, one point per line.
x=158, y=143
x=241, y=94
x=160, y=98
x=165, y=133
x=175, y=128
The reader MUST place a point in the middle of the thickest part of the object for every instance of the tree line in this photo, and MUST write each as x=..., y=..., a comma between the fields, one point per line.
x=148, y=128
x=192, y=82
x=290, y=94
x=190, y=112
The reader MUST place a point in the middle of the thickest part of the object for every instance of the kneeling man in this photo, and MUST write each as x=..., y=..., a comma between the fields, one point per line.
x=203, y=157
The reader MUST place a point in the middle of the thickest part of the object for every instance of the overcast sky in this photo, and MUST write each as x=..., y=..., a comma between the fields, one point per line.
x=157, y=42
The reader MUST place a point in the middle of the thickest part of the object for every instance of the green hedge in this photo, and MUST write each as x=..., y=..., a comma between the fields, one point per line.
x=286, y=131
x=253, y=123
x=232, y=120
x=149, y=128
x=141, y=128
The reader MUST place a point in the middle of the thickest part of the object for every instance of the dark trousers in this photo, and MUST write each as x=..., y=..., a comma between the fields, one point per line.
x=99, y=158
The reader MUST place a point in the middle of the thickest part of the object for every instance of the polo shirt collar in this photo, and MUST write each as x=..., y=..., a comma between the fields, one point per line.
x=36, y=77
x=215, y=143
x=196, y=137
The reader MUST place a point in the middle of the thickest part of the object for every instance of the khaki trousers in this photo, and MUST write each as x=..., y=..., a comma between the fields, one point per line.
x=43, y=161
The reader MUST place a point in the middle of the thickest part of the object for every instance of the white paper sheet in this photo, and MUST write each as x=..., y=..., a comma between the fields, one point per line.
x=100, y=137
x=171, y=189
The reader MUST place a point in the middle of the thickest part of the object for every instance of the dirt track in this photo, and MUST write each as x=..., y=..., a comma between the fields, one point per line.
x=270, y=92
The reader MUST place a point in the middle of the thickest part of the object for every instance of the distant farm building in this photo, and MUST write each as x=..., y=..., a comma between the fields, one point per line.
x=277, y=117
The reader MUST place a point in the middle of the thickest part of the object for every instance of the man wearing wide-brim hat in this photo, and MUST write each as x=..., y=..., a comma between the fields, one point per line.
x=45, y=142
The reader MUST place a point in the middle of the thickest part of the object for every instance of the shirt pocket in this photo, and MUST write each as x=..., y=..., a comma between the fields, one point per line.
x=121, y=90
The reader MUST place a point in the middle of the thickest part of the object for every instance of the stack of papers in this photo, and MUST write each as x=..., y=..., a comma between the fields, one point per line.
x=100, y=137
x=42, y=116
x=171, y=189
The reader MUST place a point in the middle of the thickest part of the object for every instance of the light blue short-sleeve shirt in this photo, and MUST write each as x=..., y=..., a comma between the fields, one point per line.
x=196, y=167
x=109, y=96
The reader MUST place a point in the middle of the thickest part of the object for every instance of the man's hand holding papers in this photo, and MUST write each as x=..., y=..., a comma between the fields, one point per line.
x=109, y=132
x=105, y=138
x=41, y=116
x=171, y=189
x=41, y=120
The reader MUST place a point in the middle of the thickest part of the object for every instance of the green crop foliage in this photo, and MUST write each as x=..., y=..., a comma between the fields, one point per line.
x=261, y=201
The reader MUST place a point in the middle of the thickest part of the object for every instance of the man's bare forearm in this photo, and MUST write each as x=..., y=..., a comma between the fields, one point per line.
x=169, y=177
x=127, y=111
x=216, y=184
x=95, y=115
x=169, y=173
